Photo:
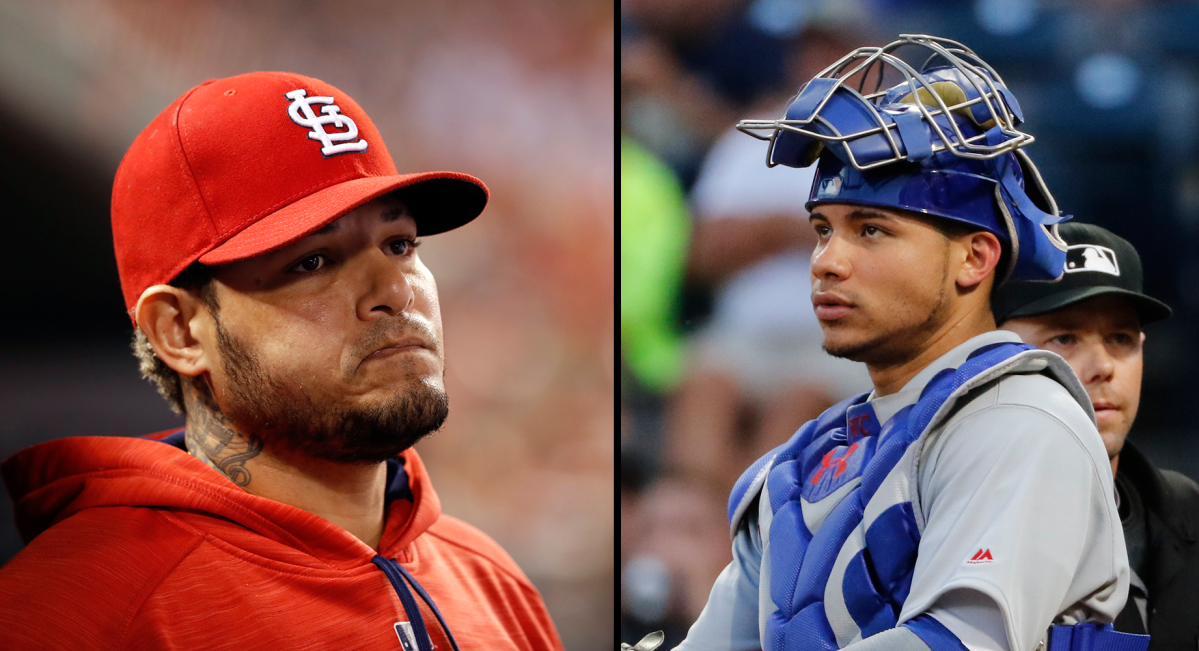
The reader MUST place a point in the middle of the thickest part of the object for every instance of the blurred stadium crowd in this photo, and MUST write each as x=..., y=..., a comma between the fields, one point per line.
x=720, y=352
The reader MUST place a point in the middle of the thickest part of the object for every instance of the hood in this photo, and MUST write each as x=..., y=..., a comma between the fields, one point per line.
x=55, y=480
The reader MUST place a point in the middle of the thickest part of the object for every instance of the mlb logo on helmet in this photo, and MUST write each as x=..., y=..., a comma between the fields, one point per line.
x=1091, y=257
x=830, y=187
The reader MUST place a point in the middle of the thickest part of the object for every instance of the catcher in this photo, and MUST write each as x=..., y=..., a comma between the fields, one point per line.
x=915, y=516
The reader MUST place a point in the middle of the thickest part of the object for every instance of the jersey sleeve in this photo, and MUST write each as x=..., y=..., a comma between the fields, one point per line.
x=729, y=621
x=1020, y=526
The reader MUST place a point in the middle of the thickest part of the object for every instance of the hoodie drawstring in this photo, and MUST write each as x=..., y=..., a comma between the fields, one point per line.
x=399, y=578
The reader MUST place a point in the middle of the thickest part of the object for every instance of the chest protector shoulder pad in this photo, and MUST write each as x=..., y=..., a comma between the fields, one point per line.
x=841, y=546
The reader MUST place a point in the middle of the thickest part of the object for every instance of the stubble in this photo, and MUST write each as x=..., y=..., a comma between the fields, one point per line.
x=894, y=342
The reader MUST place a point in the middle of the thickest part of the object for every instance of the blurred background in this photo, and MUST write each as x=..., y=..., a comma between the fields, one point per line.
x=516, y=92
x=720, y=352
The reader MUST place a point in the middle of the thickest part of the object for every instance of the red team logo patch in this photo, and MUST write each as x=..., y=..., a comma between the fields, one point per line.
x=981, y=556
x=857, y=426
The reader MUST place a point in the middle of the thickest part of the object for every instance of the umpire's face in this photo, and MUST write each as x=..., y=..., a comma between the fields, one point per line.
x=1101, y=338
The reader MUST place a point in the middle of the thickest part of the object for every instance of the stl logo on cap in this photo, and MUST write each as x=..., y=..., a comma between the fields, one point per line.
x=1091, y=257
x=331, y=115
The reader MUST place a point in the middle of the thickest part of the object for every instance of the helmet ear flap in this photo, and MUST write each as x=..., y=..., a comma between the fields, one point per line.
x=1055, y=237
x=1034, y=185
x=1038, y=192
x=1001, y=275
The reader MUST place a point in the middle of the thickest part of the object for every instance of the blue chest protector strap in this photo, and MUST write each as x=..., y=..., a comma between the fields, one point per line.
x=843, y=533
x=1089, y=637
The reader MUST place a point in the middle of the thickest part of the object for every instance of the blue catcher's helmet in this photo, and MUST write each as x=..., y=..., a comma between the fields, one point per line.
x=942, y=142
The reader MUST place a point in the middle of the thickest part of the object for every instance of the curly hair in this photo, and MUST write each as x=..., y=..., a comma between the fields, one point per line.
x=196, y=278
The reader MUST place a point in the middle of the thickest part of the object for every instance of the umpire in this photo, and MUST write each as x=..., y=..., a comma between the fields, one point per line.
x=1094, y=317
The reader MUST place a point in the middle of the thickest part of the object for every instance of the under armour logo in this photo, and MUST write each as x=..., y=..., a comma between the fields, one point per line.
x=829, y=461
x=301, y=113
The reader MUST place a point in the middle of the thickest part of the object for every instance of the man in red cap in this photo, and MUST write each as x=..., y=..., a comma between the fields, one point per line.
x=267, y=253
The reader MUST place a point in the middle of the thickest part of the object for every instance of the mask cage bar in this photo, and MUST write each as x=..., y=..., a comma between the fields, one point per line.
x=984, y=83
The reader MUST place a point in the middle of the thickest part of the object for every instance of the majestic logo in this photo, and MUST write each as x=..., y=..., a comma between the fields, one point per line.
x=302, y=114
x=981, y=556
x=1091, y=257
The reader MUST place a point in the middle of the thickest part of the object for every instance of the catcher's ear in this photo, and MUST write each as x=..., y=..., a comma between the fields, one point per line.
x=979, y=252
x=179, y=328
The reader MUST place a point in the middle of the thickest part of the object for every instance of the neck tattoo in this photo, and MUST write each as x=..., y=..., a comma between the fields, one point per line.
x=212, y=439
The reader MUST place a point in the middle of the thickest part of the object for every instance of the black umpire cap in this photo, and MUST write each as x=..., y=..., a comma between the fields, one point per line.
x=1098, y=263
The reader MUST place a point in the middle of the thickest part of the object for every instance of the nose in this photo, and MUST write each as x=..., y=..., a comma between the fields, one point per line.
x=384, y=288
x=1097, y=364
x=830, y=260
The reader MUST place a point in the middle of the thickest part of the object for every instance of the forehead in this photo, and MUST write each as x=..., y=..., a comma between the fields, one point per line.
x=387, y=209
x=1098, y=313
x=852, y=211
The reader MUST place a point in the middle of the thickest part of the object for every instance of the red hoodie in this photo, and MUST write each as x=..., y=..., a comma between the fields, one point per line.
x=135, y=544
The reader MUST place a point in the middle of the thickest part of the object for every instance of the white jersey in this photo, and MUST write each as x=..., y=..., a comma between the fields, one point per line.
x=1020, y=524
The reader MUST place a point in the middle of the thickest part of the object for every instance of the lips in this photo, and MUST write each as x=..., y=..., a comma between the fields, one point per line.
x=830, y=306
x=1105, y=410
x=407, y=344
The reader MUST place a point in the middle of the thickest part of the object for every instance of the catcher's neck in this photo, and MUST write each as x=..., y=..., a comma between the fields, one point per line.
x=893, y=373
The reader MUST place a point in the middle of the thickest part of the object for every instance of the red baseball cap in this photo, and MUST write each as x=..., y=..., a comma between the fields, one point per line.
x=242, y=166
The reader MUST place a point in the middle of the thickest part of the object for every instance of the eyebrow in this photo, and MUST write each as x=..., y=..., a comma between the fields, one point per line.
x=857, y=214
x=865, y=213
x=387, y=216
x=1076, y=322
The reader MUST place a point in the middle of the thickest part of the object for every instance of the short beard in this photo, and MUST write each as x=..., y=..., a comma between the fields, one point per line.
x=286, y=415
x=883, y=349
x=894, y=346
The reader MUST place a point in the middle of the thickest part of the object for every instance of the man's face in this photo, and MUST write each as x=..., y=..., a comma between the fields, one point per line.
x=331, y=346
x=880, y=281
x=1101, y=338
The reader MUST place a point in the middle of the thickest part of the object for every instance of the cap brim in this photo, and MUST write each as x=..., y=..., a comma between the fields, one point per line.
x=438, y=201
x=1149, y=309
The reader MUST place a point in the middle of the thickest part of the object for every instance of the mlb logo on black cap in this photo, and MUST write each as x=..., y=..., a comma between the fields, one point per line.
x=1091, y=257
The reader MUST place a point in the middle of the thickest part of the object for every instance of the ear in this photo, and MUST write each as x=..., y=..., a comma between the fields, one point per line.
x=178, y=327
x=980, y=253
